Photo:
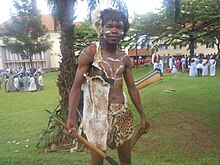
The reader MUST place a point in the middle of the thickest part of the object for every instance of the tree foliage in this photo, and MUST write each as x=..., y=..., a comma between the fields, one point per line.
x=172, y=8
x=24, y=33
x=198, y=19
x=84, y=35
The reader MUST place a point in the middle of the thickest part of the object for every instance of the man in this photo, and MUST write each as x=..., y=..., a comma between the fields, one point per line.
x=40, y=81
x=199, y=68
x=157, y=66
x=107, y=120
x=205, y=68
x=212, y=66
x=192, y=70
x=16, y=83
x=171, y=62
x=183, y=60
x=33, y=86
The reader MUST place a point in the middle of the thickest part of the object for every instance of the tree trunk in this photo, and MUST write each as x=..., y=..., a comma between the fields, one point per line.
x=218, y=46
x=68, y=64
x=31, y=64
x=191, y=47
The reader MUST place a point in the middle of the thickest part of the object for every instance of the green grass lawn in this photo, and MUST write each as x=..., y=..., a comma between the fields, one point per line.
x=185, y=124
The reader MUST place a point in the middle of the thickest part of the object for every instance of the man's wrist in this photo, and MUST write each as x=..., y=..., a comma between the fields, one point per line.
x=142, y=114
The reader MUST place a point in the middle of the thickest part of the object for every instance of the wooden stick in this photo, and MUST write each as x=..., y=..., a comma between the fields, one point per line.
x=88, y=144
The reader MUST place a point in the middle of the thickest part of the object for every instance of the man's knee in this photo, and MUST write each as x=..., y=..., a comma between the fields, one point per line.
x=124, y=153
x=96, y=159
x=125, y=159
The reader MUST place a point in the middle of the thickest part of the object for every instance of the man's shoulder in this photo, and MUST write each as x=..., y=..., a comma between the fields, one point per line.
x=91, y=49
x=121, y=52
x=92, y=46
x=88, y=52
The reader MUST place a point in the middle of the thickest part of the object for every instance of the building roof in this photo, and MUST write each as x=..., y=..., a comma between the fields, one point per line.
x=141, y=52
x=47, y=19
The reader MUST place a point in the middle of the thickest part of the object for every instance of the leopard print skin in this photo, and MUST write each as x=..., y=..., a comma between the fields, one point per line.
x=121, y=125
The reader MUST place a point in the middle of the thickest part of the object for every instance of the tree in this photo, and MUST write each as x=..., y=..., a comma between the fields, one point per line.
x=142, y=30
x=146, y=26
x=198, y=19
x=172, y=8
x=24, y=34
x=213, y=38
x=217, y=3
x=63, y=13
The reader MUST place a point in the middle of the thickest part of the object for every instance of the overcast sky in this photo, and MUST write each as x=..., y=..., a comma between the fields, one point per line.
x=138, y=6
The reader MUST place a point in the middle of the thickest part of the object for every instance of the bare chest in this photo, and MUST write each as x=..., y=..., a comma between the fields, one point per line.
x=113, y=67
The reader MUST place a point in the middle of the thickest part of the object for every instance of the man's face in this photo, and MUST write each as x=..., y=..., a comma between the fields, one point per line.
x=113, y=31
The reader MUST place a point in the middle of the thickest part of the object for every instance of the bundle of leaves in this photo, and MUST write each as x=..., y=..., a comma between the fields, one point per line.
x=53, y=138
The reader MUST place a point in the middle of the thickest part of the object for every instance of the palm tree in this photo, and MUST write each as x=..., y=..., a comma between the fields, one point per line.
x=172, y=8
x=63, y=13
x=217, y=3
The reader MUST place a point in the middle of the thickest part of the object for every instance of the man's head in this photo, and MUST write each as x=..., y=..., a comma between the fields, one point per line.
x=114, y=15
x=101, y=17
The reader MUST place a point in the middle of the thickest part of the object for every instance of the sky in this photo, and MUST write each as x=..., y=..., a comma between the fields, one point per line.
x=134, y=6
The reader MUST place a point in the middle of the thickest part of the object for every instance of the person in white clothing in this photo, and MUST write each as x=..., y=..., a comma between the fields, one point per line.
x=183, y=61
x=40, y=81
x=192, y=70
x=33, y=86
x=161, y=66
x=205, y=64
x=174, y=70
x=212, y=67
x=171, y=62
x=156, y=66
x=16, y=83
x=199, y=67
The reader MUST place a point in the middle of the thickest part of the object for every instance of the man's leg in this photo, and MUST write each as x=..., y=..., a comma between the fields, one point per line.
x=200, y=72
x=96, y=159
x=124, y=153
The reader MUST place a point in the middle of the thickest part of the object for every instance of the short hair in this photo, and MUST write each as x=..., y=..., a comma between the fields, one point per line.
x=114, y=15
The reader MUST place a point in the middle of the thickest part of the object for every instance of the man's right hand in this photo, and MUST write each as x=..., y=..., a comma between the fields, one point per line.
x=70, y=130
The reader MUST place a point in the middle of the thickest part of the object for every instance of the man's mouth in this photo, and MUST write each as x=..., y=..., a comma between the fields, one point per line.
x=114, y=37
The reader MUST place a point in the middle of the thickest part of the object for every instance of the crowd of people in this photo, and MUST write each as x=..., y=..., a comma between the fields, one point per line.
x=22, y=80
x=198, y=65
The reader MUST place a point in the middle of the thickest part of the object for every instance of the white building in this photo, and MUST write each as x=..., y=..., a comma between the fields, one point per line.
x=44, y=60
x=178, y=50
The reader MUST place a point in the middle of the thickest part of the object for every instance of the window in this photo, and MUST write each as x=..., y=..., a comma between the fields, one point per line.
x=210, y=45
x=177, y=47
x=163, y=47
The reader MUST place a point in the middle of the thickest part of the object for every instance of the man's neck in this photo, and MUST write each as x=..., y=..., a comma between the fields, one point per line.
x=109, y=47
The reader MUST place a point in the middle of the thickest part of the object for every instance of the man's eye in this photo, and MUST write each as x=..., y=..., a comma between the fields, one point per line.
x=108, y=26
x=121, y=27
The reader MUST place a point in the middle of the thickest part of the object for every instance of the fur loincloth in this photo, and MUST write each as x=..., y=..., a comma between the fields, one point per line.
x=121, y=125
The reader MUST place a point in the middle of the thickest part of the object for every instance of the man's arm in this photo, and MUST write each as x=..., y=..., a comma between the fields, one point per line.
x=85, y=60
x=133, y=92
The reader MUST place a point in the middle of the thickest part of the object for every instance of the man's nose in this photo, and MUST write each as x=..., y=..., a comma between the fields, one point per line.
x=115, y=30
